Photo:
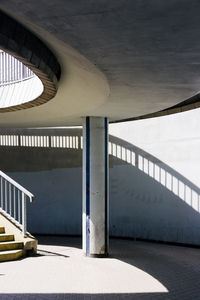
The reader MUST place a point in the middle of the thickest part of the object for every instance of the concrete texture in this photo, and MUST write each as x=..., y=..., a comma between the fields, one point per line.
x=134, y=57
x=156, y=195
x=154, y=180
x=13, y=232
x=153, y=196
x=95, y=196
x=135, y=270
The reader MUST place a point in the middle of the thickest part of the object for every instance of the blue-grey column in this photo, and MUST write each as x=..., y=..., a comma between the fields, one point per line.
x=95, y=187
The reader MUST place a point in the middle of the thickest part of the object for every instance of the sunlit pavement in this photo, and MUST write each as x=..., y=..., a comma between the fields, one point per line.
x=134, y=270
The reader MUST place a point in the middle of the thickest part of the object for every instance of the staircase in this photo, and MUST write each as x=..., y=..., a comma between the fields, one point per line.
x=15, y=241
x=9, y=248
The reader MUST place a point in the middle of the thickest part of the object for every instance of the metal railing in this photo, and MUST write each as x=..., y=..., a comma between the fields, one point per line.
x=12, y=70
x=13, y=199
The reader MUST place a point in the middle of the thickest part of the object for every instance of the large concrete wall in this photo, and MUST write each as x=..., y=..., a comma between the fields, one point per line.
x=159, y=198
x=154, y=181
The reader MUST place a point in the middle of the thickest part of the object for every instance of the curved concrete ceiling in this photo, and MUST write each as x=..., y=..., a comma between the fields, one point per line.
x=121, y=59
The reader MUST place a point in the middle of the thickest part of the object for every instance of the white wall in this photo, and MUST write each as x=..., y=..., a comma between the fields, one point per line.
x=159, y=199
x=174, y=139
x=154, y=181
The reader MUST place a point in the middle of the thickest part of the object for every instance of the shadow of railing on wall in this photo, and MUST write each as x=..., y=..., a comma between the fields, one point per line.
x=157, y=170
x=47, y=141
x=71, y=138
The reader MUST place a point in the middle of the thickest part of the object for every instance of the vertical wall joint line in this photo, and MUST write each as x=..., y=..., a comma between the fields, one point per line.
x=87, y=185
x=106, y=184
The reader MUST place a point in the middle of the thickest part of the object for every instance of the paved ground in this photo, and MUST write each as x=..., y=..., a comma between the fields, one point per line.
x=135, y=270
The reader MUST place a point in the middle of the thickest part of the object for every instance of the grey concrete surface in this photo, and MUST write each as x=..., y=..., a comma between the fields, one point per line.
x=148, y=50
x=135, y=270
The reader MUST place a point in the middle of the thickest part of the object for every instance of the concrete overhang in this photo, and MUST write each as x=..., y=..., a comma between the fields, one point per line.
x=121, y=59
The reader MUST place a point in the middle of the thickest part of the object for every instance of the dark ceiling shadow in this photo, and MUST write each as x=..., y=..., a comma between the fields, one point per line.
x=28, y=156
x=32, y=159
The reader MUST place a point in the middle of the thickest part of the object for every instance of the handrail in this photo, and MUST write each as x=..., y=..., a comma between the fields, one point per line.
x=17, y=185
x=12, y=70
x=16, y=81
x=13, y=201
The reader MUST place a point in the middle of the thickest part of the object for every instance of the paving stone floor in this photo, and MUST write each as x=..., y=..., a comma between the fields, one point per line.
x=134, y=270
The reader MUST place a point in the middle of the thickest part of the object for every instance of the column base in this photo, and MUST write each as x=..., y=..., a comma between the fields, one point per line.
x=97, y=255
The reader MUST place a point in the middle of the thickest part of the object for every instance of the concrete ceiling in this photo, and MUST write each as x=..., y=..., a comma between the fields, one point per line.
x=119, y=58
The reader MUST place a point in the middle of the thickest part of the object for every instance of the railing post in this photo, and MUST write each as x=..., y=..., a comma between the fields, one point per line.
x=13, y=201
x=1, y=192
x=49, y=141
x=136, y=160
x=24, y=225
x=19, y=140
x=10, y=200
x=6, y=199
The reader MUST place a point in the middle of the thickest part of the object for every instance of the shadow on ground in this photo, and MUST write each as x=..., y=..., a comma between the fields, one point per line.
x=84, y=296
x=62, y=240
x=176, y=268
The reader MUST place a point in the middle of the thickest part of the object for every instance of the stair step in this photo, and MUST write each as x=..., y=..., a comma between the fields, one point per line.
x=11, y=255
x=4, y=246
x=2, y=230
x=6, y=237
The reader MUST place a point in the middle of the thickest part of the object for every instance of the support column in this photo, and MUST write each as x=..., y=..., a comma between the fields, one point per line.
x=95, y=187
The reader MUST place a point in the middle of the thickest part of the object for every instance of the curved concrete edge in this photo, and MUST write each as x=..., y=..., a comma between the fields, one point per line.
x=189, y=104
x=30, y=243
x=21, y=43
x=81, y=81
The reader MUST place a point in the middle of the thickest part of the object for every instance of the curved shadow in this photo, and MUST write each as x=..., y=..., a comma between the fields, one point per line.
x=52, y=145
x=157, y=170
x=172, y=266
x=161, y=204
x=176, y=268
